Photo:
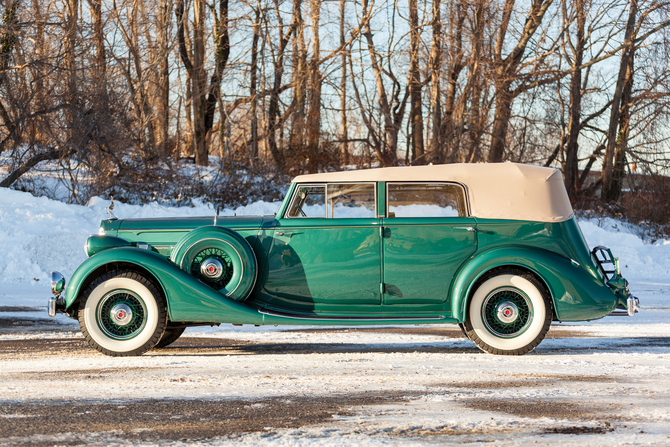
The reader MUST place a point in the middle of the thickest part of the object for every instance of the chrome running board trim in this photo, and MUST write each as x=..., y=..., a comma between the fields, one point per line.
x=274, y=313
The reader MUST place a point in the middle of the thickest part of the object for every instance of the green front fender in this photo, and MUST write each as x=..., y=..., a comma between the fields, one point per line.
x=577, y=295
x=188, y=299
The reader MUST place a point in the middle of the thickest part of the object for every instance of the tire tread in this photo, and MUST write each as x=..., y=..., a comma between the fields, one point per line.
x=155, y=291
x=548, y=317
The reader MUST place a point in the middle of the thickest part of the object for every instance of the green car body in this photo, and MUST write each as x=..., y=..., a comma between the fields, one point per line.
x=354, y=270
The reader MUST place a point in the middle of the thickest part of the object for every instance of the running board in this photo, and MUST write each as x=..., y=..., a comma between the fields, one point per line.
x=275, y=313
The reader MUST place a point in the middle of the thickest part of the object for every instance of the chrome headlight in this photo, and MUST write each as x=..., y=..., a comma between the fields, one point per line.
x=57, y=283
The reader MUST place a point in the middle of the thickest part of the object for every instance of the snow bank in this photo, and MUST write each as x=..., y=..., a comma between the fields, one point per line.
x=38, y=235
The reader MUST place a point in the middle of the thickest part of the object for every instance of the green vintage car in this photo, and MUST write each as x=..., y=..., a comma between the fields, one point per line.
x=494, y=248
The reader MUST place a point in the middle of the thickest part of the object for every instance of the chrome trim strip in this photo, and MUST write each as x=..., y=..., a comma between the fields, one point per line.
x=272, y=313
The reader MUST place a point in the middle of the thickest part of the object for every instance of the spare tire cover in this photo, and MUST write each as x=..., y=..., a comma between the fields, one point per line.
x=236, y=257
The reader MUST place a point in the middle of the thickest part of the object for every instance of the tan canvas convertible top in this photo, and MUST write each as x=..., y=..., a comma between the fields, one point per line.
x=495, y=190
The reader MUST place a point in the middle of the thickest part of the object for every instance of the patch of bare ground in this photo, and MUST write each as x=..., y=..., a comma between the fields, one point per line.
x=79, y=374
x=15, y=324
x=581, y=430
x=21, y=309
x=184, y=420
x=42, y=346
x=571, y=378
x=524, y=380
x=536, y=409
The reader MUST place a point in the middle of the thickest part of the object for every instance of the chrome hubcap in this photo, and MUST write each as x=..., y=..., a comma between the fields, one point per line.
x=507, y=312
x=211, y=268
x=121, y=314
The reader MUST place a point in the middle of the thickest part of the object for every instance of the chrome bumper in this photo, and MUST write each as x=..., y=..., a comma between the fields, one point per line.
x=57, y=301
x=56, y=305
x=633, y=308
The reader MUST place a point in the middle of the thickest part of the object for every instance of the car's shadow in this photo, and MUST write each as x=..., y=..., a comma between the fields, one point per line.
x=556, y=343
x=564, y=346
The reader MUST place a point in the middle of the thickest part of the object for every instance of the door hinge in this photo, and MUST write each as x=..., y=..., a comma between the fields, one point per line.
x=382, y=288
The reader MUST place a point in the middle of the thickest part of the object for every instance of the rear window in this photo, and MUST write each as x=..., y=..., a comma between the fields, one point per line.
x=426, y=200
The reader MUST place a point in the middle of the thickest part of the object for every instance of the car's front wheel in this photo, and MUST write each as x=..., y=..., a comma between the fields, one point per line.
x=509, y=313
x=122, y=313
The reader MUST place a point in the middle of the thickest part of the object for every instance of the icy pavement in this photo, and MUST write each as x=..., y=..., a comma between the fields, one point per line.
x=599, y=383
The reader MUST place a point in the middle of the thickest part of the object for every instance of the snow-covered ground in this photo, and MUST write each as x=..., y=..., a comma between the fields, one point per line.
x=599, y=383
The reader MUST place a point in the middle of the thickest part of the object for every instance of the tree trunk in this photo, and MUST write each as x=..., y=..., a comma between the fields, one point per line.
x=609, y=187
x=503, y=99
x=72, y=17
x=414, y=81
x=253, y=76
x=100, y=68
x=314, y=117
x=296, y=140
x=624, y=130
x=54, y=154
x=343, y=90
x=221, y=60
x=474, y=118
x=273, y=104
x=7, y=42
x=392, y=121
x=506, y=71
x=164, y=74
x=435, y=105
x=572, y=148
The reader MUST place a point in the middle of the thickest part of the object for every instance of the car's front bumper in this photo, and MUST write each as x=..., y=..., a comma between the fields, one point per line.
x=56, y=303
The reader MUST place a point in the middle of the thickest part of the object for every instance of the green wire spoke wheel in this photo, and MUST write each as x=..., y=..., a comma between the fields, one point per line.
x=509, y=312
x=122, y=313
x=222, y=257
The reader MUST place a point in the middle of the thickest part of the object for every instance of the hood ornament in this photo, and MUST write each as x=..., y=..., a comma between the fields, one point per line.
x=109, y=209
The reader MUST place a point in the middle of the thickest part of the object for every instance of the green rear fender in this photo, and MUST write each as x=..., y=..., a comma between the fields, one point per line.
x=188, y=299
x=577, y=295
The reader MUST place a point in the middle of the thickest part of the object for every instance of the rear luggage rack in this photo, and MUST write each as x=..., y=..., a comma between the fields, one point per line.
x=602, y=256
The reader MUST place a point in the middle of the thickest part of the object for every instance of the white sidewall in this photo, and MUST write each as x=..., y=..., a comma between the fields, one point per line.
x=92, y=325
x=539, y=312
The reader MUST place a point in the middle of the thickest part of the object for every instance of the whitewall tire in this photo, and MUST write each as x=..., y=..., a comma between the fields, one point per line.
x=509, y=313
x=122, y=313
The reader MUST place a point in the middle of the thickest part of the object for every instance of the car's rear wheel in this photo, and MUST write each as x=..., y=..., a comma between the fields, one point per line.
x=122, y=313
x=170, y=336
x=509, y=313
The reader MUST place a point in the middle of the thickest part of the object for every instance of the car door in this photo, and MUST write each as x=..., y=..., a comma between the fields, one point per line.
x=427, y=236
x=326, y=249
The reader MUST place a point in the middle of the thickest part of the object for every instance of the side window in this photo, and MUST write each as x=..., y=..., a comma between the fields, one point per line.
x=426, y=200
x=351, y=200
x=308, y=201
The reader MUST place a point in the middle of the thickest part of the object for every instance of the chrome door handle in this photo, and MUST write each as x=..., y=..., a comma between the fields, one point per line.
x=465, y=228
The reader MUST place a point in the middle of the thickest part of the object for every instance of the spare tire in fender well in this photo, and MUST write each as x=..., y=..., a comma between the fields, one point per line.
x=229, y=250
